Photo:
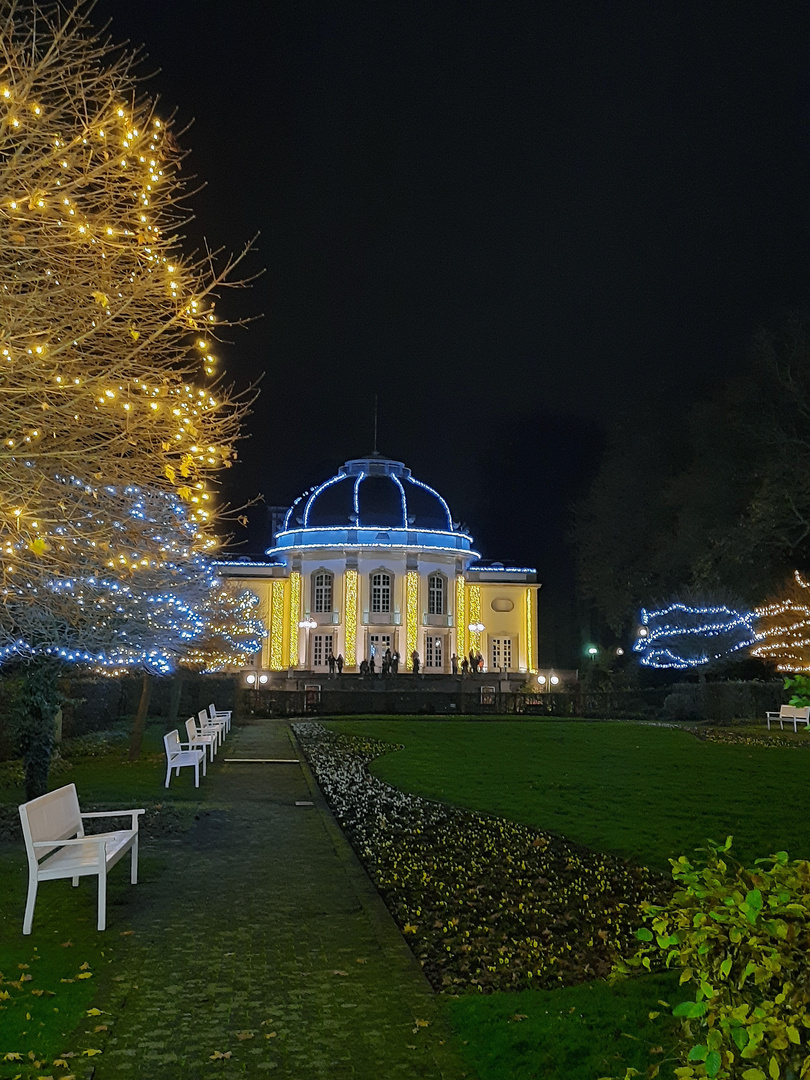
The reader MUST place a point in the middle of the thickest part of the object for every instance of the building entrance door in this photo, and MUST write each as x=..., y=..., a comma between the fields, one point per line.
x=500, y=653
x=434, y=652
x=322, y=645
x=377, y=644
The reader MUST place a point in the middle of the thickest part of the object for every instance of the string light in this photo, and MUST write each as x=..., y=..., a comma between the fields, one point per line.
x=295, y=615
x=411, y=615
x=277, y=625
x=682, y=637
x=461, y=615
x=474, y=592
x=530, y=631
x=106, y=339
x=351, y=617
x=784, y=628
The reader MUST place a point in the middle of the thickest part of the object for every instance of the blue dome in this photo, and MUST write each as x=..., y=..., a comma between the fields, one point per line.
x=372, y=492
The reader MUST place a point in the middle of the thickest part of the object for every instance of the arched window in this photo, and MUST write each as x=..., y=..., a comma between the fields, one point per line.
x=322, y=591
x=437, y=602
x=380, y=592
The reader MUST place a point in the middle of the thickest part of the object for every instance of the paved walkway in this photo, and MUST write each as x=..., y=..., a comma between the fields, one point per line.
x=264, y=938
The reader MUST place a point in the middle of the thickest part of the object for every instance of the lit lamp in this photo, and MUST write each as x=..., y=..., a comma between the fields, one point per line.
x=541, y=681
x=250, y=679
x=307, y=624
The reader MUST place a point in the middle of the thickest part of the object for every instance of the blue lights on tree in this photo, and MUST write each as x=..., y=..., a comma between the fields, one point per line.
x=682, y=636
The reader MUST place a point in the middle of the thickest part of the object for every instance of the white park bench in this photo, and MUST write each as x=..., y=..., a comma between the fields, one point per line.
x=204, y=737
x=57, y=847
x=220, y=714
x=179, y=754
x=217, y=727
x=795, y=714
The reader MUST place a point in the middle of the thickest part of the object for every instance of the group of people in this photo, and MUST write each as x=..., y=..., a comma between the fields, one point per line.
x=473, y=664
x=389, y=664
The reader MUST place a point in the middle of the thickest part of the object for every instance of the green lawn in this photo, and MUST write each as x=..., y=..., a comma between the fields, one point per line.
x=577, y=1033
x=645, y=792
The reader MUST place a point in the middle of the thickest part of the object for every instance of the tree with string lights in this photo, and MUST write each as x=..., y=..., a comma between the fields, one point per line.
x=109, y=392
x=784, y=627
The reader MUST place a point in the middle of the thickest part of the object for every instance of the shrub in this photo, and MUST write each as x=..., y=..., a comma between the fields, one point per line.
x=741, y=938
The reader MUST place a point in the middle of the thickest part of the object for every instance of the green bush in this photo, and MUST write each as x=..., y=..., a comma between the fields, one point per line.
x=741, y=939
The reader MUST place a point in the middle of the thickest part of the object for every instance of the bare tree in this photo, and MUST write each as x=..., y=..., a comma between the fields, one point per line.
x=113, y=420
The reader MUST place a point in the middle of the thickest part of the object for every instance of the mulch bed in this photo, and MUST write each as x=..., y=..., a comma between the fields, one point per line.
x=485, y=904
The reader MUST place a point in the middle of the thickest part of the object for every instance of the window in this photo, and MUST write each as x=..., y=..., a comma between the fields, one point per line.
x=380, y=592
x=436, y=593
x=322, y=591
x=500, y=651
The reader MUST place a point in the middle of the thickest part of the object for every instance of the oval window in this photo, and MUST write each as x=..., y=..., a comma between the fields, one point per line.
x=502, y=603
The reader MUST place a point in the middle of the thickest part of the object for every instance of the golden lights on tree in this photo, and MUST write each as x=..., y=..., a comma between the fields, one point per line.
x=108, y=371
x=784, y=627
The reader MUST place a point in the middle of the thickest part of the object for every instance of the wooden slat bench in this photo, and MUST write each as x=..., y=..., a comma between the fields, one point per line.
x=57, y=847
x=794, y=714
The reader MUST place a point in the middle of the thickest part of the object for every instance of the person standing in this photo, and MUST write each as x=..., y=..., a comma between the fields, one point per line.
x=479, y=662
x=454, y=664
x=331, y=661
x=415, y=661
x=372, y=664
x=472, y=662
x=340, y=663
x=394, y=663
x=465, y=665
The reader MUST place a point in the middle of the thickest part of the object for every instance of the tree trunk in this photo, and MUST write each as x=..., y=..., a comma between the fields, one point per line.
x=139, y=724
x=38, y=704
x=174, y=699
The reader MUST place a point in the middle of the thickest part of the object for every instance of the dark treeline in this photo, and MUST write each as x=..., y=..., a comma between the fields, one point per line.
x=709, y=500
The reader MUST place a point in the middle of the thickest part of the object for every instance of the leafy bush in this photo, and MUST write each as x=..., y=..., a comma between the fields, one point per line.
x=741, y=938
x=800, y=685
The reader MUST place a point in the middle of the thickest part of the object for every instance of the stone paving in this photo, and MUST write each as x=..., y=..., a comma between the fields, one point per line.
x=263, y=939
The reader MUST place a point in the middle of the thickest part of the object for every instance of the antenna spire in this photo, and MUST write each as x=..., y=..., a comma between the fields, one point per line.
x=375, y=423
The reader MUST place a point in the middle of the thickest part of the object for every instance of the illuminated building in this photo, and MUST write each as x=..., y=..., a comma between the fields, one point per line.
x=372, y=560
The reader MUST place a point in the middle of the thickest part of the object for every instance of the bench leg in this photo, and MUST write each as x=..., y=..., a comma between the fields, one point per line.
x=168, y=774
x=30, y=902
x=205, y=766
x=197, y=772
x=133, y=869
x=102, y=898
x=211, y=747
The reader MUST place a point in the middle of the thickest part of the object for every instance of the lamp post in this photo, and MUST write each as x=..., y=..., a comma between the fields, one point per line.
x=307, y=624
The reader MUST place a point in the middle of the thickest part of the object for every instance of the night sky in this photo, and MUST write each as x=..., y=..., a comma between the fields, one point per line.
x=509, y=221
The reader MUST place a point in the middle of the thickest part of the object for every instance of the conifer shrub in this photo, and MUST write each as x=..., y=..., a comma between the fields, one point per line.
x=741, y=938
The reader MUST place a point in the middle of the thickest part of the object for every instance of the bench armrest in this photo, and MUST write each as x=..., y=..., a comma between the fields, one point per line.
x=133, y=814
x=100, y=840
x=189, y=746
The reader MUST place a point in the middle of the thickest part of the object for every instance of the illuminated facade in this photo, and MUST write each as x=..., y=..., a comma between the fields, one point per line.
x=372, y=560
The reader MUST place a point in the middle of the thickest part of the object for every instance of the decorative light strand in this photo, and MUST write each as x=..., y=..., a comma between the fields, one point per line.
x=411, y=616
x=350, y=599
x=681, y=636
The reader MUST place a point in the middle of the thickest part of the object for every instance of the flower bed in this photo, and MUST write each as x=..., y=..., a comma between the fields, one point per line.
x=484, y=903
